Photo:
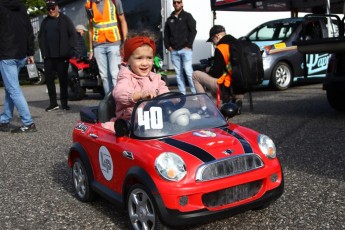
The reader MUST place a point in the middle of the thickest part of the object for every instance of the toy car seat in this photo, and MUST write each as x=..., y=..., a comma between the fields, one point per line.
x=106, y=108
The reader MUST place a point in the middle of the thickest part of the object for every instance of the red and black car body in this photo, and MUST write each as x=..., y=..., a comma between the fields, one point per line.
x=174, y=163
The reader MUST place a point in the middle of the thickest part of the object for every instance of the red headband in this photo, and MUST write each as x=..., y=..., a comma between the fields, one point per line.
x=133, y=43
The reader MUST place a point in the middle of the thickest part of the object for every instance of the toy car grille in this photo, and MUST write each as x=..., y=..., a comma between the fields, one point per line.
x=229, y=167
x=231, y=195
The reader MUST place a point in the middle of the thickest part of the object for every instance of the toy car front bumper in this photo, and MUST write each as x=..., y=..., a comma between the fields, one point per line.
x=177, y=218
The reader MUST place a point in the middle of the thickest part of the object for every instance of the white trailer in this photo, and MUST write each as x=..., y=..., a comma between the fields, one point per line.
x=201, y=11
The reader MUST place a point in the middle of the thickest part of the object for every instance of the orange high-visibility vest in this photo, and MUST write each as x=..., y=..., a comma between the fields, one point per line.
x=105, y=26
x=226, y=77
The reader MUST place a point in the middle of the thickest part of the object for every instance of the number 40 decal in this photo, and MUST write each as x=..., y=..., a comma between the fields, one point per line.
x=152, y=119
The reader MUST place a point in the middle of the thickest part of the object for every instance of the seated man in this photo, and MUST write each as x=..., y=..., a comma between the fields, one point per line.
x=221, y=70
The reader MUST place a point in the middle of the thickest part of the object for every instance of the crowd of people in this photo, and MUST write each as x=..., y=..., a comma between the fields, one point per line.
x=127, y=74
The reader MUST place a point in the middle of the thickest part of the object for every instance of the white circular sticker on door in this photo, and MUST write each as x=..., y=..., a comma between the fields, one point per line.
x=105, y=163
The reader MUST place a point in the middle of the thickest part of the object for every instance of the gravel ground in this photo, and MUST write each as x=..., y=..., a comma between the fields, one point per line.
x=36, y=191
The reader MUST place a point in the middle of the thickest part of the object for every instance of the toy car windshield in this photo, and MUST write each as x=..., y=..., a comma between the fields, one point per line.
x=171, y=114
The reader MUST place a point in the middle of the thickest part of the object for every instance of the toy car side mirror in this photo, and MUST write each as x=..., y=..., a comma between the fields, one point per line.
x=229, y=110
x=121, y=128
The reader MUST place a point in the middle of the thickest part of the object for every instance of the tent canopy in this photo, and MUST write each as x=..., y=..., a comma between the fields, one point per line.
x=294, y=6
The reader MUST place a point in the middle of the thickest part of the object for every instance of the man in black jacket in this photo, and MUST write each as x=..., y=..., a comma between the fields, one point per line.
x=179, y=35
x=16, y=48
x=57, y=40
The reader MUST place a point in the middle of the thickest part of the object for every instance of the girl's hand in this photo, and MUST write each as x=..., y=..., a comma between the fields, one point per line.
x=147, y=95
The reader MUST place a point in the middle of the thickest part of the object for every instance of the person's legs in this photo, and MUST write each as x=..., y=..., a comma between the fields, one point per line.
x=176, y=61
x=102, y=62
x=49, y=66
x=187, y=60
x=202, y=80
x=62, y=72
x=114, y=60
x=14, y=95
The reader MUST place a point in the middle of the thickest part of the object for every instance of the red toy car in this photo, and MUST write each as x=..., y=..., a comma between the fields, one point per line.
x=174, y=163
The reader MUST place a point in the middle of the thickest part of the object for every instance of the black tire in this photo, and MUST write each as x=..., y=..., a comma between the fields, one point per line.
x=165, y=79
x=41, y=78
x=142, y=210
x=75, y=91
x=81, y=182
x=336, y=99
x=100, y=90
x=281, y=77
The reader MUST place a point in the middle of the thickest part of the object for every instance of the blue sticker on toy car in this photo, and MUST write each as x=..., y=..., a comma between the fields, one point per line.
x=82, y=127
x=204, y=133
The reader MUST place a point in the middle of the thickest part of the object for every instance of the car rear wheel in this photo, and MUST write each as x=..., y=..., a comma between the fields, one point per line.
x=281, y=76
x=141, y=209
x=75, y=91
x=81, y=182
x=41, y=78
x=336, y=99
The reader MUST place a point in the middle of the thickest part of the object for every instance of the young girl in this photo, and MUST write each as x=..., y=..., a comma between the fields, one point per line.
x=136, y=81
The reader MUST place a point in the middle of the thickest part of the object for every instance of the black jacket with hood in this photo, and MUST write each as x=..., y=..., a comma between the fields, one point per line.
x=180, y=31
x=68, y=37
x=16, y=33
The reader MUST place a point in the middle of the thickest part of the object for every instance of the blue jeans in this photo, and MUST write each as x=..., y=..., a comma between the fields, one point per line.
x=108, y=60
x=13, y=93
x=182, y=59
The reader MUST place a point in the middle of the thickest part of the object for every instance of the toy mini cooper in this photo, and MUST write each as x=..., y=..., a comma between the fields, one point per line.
x=178, y=161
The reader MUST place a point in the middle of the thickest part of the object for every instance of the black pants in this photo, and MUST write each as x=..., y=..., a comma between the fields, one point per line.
x=60, y=66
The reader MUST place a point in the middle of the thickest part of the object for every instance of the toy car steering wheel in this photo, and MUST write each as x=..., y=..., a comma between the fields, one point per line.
x=180, y=117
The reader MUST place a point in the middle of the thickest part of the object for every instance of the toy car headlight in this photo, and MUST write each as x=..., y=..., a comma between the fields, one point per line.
x=267, y=146
x=170, y=166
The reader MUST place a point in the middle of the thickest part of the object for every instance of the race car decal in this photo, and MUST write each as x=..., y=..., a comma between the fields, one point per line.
x=192, y=149
x=246, y=146
x=82, y=127
x=105, y=163
x=280, y=45
x=152, y=119
x=204, y=133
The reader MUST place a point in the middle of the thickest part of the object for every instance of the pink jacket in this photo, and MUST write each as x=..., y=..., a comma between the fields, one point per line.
x=128, y=83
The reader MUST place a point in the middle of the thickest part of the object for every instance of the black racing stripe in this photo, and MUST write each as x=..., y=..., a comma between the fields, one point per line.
x=246, y=146
x=192, y=149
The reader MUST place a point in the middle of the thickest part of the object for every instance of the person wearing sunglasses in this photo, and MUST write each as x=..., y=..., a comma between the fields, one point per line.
x=57, y=40
x=179, y=35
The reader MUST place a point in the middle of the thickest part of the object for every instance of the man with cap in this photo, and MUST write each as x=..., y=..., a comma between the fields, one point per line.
x=220, y=71
x=57, y=40
x=80, y=46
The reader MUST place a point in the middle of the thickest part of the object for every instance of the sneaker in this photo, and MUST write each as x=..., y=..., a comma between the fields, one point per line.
x=52, y=108
x=5, y=127
x=66, y=108
x=25, y=129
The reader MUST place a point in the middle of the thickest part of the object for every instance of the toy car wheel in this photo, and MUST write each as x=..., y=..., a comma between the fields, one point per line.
x=281, y=76
x=141, y=209
x=75, y=91
x=81, y=182
x=41, y=78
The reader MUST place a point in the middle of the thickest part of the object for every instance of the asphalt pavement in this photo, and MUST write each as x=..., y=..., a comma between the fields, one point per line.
x=36, y=190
